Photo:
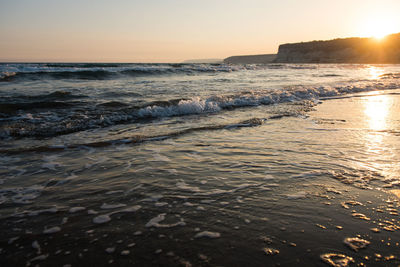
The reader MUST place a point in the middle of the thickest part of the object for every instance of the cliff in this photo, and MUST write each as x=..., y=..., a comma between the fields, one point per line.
x=347, y=50
x=251, y=59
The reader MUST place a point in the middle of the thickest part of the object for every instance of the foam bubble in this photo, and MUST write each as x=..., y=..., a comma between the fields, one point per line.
x=336, y=260
x=207, y=234
x=112, y=206
x=92, y=212
x=76, y=209
x=155, y=222
x=110, y=250
x=35, y=245
x=39, y=258
x=102, y=219
x=160, y=204
x=125, y=252
x=52, y=230
x=356, y=243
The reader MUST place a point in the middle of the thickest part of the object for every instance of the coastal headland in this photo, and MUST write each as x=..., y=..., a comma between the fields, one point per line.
x=342, y=50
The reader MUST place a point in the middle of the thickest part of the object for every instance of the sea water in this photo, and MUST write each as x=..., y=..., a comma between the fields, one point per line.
x=199, y=164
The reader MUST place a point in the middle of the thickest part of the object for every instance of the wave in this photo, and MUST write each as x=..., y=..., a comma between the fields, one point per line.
x=137, y=139
x=83, y=65
x=103, y=71
x=109, y=71
x=112, y=104
x=57, y=95
x=39, y=75
x=390, y=76
x=55, y=100
x=10, y=108
x=7, y=76
x=70, y=116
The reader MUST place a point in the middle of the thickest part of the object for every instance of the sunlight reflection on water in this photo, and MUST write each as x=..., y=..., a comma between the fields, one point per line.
x=378, y=113
x=377, y=110
x=375, y=72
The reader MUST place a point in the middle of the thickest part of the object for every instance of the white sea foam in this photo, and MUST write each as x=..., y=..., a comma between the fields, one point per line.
x=110, y=250
x=52, y=230
x=92, y=212
x=197, y=105
x=184, y=107
x=36, y=212
x=25, y=195
x=125, y=252
x=155, y=222
x=112, y=206
x=160, y=204
x=102, y=219
x=207, y=234
x=35, y=245
x=76, y=209
x=39, y=258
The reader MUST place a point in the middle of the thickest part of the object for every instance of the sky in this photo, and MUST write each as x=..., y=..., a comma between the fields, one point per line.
x=177, y=30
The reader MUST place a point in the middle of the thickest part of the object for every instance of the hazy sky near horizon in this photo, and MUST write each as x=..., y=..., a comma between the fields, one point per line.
x=175, y=30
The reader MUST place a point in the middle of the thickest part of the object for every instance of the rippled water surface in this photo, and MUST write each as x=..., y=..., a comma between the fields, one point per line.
x=202, y=165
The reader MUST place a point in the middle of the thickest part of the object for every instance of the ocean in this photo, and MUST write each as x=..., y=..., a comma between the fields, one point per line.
x=199, y=164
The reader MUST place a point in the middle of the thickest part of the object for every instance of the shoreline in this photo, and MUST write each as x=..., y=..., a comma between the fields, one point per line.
x=326, y=187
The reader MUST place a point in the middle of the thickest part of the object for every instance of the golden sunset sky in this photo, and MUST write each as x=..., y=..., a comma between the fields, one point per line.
x=176, y=30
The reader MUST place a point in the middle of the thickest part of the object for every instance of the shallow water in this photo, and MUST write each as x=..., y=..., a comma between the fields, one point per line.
x=248, y=183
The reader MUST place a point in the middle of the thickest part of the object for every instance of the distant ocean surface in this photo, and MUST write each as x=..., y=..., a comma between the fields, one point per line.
x=181, y=164
x=53, y=100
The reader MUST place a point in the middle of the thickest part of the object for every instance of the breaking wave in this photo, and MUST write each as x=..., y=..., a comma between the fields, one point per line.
x=52, y=118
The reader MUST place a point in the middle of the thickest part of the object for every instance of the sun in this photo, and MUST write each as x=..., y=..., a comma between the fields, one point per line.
x=378, y=27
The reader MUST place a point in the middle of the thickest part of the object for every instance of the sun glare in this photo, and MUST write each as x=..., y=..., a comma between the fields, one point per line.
x=378, y=28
